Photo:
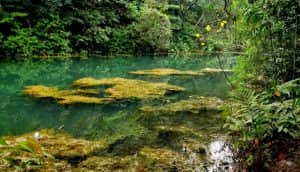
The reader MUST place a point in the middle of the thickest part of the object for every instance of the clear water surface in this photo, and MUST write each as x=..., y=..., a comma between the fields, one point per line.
x=20, y=114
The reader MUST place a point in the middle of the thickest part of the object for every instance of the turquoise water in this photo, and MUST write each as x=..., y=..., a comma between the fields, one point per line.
x=20, y=114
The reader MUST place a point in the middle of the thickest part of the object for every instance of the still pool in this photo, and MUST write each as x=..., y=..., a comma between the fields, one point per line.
x=21, y=114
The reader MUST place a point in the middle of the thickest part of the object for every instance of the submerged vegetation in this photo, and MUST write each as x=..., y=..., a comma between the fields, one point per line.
x=167, y=146
x=191, y=105
x=118, y=89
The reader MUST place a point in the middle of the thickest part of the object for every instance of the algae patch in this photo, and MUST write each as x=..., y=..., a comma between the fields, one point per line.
x=49, y=151
x=214, y=70
x=118, y=89
x=65, y=96
x=122, y=88
x=169, y=71
x=165, y=72
x=192, y=105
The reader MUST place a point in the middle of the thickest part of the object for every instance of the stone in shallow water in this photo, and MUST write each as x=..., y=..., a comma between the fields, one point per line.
x=106, y=164
x=192, y=105
x=65, y=96
x=59, y=145
x=47, y=152
x=164, y=159
x=121, y=88
x=118, y=89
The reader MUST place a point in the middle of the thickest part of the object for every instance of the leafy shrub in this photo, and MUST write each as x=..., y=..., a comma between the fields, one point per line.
x=154, y=30
x=264, y=123
x=23, y=43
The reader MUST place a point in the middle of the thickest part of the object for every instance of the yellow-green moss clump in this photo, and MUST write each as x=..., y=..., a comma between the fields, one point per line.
x=166, y=72
x=192, y=105
x=118, y=88
x=58, y=144
x=65, y=96
x=45, y=151
x=146, y=159
x=160, y=154
x=106, y=164
x=214, y=70
x=169, y=71
x=177, y=131
x=121, y=88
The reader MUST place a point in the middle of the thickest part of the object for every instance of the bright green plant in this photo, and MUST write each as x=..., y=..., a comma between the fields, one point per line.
x=154, y=30
x=23, y=43
x=266, y=118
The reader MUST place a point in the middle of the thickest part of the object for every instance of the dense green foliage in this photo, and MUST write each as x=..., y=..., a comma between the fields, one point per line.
x=61, y=27
x=267, y=79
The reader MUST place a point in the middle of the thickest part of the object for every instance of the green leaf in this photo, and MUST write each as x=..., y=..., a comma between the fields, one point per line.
x=2, y=141
x=24, y=146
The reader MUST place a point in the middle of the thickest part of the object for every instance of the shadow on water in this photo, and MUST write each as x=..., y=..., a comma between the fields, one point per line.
x=20, y=114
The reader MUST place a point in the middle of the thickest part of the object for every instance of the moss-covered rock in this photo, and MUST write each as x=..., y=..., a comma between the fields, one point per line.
x=59, y=145
x=45, y=150
x=169, y=71
x=160, y=154
x=164, y=159
x=176, y=136
x=118, y=89
x=121, y=88
x=65, y=96
x=192, y=105
x=166, y=72
x=176, y=132
x=106, y=164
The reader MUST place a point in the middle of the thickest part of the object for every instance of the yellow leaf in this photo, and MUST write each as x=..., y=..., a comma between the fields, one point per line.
x=222, y=24
x=197, y=35
x=277, y=93
x=219, y=30
x=202, y=43
x=224, y=21
x=208, y=28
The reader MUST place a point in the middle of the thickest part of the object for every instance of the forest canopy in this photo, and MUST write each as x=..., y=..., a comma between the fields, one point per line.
x=53, y=27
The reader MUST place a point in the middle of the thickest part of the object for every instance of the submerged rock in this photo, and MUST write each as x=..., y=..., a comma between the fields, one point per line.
x=166, y=72
x=180, y=138
x=59, y=145
x=50, y=151
x=163, y=159
x=65, y=96
x=160, y=154
x=175, y=135
x=106, y=164
x=118, y=89
x=192, y=105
